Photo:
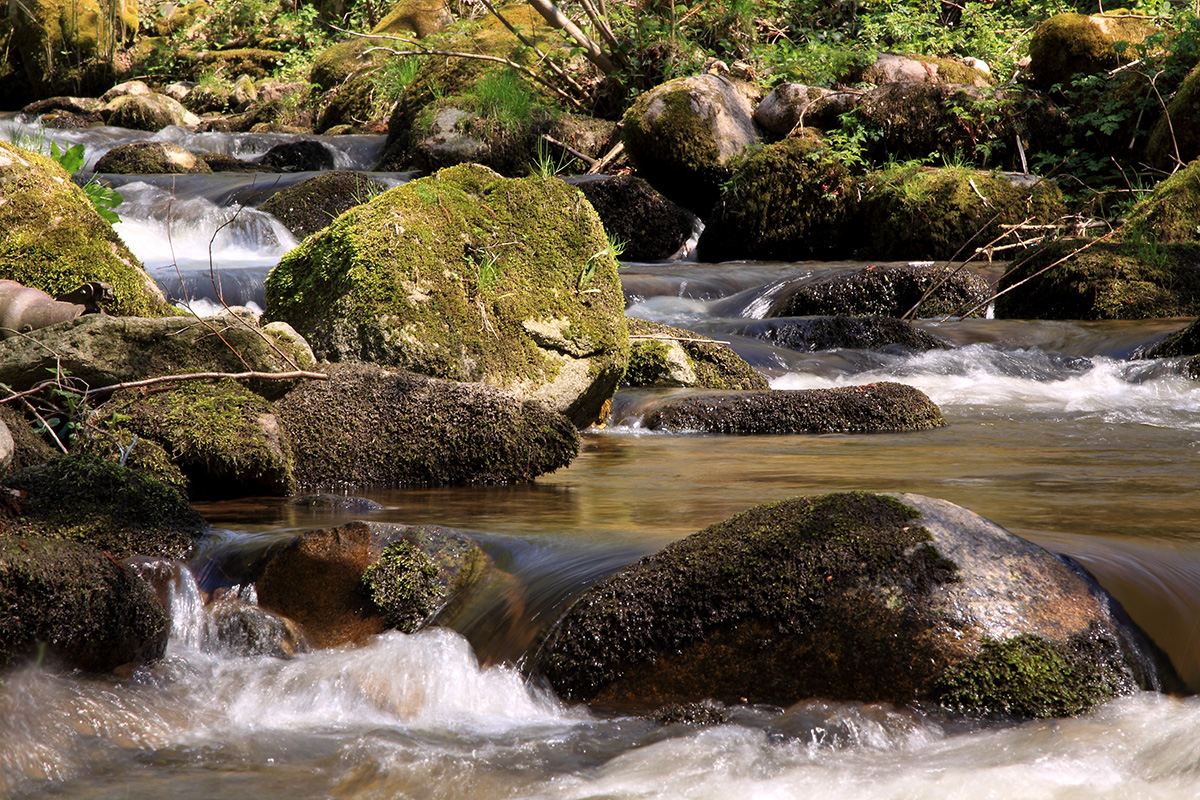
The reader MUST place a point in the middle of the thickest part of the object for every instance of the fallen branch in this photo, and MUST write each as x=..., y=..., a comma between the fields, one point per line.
x=197, y=376
x=591, y=162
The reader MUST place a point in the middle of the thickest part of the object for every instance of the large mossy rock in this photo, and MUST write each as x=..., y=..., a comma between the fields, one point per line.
x=661, y=355
x=366, y=426
x=470, y=277
x=344, y=584
x=786, y=201
x=919, y=213
x=75, y=607
x=874, y=408
x=883, y=291
x=651, y=226
x=309, y=206
x=51, y=237
x=151, y=158
x=681, y=137
x=1175, y=139
x=1066, y=45
x=102, y=351
x=61, y=44
x=147, y=112
x=1181, y=343
x=1103, y=280
x=1172, y=211
x=29, y=449
x=865, y=597
x=113, y=508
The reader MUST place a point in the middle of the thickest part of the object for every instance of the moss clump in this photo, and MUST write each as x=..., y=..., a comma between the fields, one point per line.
x=107, y=506
x=911, y=212
x=790, y=200
x=664, y=356
x=402, y=583
x=51, y=238
x=1182, y=343
x=311, y=205
x=1109, y=280
x=1029, y=677
x=1172, y=212
x=1178, y=128
x=710, y=615
x=1066, y=45
x=75, y=606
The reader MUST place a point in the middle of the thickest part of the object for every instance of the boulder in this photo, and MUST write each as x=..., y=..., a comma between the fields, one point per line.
x=305, y=155
x=114, y=508
x=29, y=449
x=51, y=237
x=349, y=106
x=102, y=351
x=873, y=408
x=885, y=291
x=787, y=201
x=853, y=597
x=242, y=629
x=651, y=226
x=1172, y=211
x=898, y=68
x=1103, y=280
x=467, y=276
x=8, y=448
x=1175, y=140
x=1066, y=45
x=81, y=106
x=911, y=212
x=661, y=355
x=61, y=43
x=151, y=158
x=147, y=112
x=366, y=426
x=811, y=334
x=473, y=127
x=73, y=606
x=344, y=584
x=786, y=105
x=123, y=89
x=309, y=206
x=256, y=62
x=421, y=17
x=1181, y=343
x=682, y=135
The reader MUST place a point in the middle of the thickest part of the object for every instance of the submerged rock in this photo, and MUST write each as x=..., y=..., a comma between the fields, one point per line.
x=301, y=156
x=366, y=426
x=661, y=355
x=903, y=599
x=344, y=584
x=872, y=408
x=73, y=606
x=245, y=629
x=887, y=291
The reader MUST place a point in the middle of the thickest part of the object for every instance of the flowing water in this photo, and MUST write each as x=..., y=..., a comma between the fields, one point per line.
x=1056, y=431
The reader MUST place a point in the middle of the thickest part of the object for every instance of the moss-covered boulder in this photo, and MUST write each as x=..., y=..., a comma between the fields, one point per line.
x=912, y=212
x=309, y=206
x=865, y=597
x=51, y=237
x=812, y=334
x=466, y=276
x=73, y=606
x=366, y=426
x=1181, y=343
x=102, y=351
x=114, y=508
x=473, y=129
x=147, y=112
x=61, y=45
x=681, y=137
x=421, y=17
x=1066, y=45
x=151, y=158
x=1172, y=211
x=344, y=584
x=883, y=291
x=661, y=355
x=874, y=408
x=1175, y=139
x=651, y=226
x=912, y=68
x=786, y=105
x=788, y=200
x=1104, y=280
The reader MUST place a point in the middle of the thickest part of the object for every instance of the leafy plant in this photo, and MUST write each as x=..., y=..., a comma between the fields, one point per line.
x=103, y=198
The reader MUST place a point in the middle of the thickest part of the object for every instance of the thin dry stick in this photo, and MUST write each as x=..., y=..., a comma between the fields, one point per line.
x=195, y=376
x=660, y=338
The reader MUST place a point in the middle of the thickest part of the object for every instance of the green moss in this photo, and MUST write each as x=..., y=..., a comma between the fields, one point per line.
x=1029, y=677
x=1069, y=44
x=1172, y=212
x=51, y=237
x=1183, y=343
x=702, y=364
x=311, y=205
x=403, y=583
x=1178, y=128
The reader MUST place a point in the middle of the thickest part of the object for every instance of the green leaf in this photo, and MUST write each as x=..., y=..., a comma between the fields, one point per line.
x=70, y=160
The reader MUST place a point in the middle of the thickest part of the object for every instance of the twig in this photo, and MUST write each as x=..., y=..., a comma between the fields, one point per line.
x=607, y=160
x=591, y=162
x=208, y=376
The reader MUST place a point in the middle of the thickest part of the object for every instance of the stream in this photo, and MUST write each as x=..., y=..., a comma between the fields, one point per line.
x=1056, y=431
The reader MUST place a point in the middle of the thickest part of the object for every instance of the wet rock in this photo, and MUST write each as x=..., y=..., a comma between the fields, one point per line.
x=873, y=408
x=886, y=291
x=147, y=112
x=116, y=509
x=1182, y=343
x=858, y=597
x=102, y=350
x=682, y=135
x=1107, y=280
x=238, y=628
x=151, y=158
x=661, y=355
x=1066, y=45
x=366, y=426
x=481, y=278
x=80, y=106
x=344, y=584
x=785, y=107
x=1172, y=211
x=651, y=226
x=51, y=237
x=336, y=501
x=700, y=714
x=811, y=334
x=70, y=605
x=220, y=162
x=302, y=156
x=309, y=206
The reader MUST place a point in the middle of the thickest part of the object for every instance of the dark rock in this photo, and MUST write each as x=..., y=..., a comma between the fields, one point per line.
x=344, y=584
x=1182, y=343
x=243, y=629
x=75, y=607
x=309, y=206
x=302, y=156
x=854, y=597
x=872, y=408
x=660, y=355
x=336, y=501
x=151, y=158
x=365, y=426
x=886, y=291
x=702, y=713
x=651, y=226
x=810, y=334
x=219, y=162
